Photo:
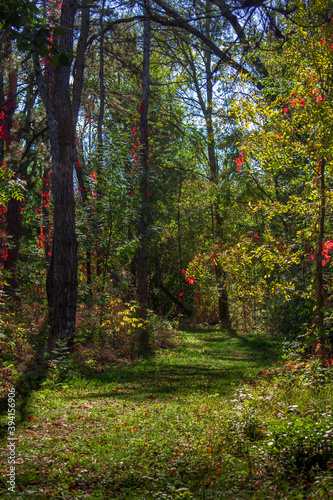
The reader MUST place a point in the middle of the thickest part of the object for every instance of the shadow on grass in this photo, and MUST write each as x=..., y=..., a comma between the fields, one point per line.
x=30, y=381
x=260, y=350
x=178, y=478
x=220, y=362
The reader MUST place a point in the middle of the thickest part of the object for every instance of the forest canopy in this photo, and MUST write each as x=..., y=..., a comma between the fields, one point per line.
x=169, y=158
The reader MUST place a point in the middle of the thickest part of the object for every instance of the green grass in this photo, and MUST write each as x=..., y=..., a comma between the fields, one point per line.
x=194, y=422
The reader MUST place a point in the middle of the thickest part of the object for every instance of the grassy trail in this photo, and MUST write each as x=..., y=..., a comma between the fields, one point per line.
x=153, y=429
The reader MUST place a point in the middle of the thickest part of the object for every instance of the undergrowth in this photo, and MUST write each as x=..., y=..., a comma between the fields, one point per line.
x=213, y=415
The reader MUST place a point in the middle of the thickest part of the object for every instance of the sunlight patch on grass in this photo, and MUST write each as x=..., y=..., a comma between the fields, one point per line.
x=192, y=421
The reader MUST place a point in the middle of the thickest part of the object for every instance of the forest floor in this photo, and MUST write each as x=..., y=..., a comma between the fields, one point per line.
x=217, y=416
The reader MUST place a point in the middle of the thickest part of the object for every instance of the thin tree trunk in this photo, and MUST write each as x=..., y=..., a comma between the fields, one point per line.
x=181, y=277
x=223, y=296
x=13, y=230
x=3, y=209
x=13, y=214
x=223, y=299
x=46, y=226
x=101, y=88
x=142, y=272
x=319, y=257
x=78, y=73
x=214, y=175
x=172, y=297
x=209, y=107
x=83, y=188
x=99, y=265
x=2, y=120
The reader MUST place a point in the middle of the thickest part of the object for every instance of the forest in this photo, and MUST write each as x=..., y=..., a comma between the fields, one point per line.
x=166, y=293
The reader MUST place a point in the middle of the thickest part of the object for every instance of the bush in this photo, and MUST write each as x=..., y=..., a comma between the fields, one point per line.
x=293, y=316
x=117, y=327
x=303, y=444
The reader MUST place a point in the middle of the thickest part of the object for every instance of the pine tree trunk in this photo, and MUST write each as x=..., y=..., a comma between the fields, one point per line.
x=142, y=271
x=61, y=284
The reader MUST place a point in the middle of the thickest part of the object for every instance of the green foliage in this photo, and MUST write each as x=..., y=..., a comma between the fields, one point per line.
x=293, y=316
x=303, y=444
x=285, y=133
x=11, y=185
x=60, y=365
x=17, y=14
x=224, y=439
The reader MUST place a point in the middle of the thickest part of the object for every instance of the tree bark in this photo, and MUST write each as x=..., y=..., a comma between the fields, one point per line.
x=46, y=229
x=2, y=120
x=99, y=264
x=61, y=284
x=84, y=190
x=78, y=71
x=223, y=300
x=208, y=111
x=13, y=230
x=78, y=80
x=101, y=88
x=214, y=174
x=13, y=214
x=319, y=257
x=179, y=230
x=142, y=271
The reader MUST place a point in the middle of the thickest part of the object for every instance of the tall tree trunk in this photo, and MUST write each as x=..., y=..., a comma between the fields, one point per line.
x=61, y=285
x=179, y=230
x=101, y=88
x=13, y=214
x=319, y=257
x=2, y=120
x=84, y=190
x=46, y=229
x=214, y=175
x=208, y=111
x=78, y=70
x=2, y=156
x=13, y=230
x=142, y=271
x=78, y=73
x=99, y=265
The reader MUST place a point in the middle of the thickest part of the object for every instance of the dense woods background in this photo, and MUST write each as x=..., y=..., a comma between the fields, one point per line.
x=166, y=175
x=170, y=159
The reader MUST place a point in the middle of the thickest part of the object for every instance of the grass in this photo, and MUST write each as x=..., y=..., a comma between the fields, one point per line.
x=203, y=420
